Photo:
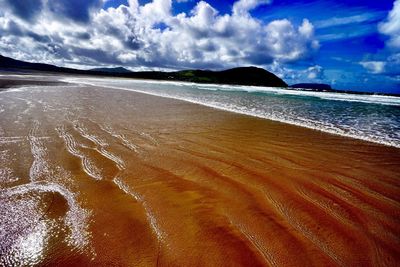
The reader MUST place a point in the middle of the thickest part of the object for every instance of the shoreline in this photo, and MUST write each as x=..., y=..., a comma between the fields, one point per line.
x=343, y=134
x=60, y=81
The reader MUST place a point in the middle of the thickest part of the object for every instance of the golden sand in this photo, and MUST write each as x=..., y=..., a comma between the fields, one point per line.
x=94, y=176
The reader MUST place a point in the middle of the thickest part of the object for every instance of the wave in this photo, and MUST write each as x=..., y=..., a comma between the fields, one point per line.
x=307, y=123
x=371, y=99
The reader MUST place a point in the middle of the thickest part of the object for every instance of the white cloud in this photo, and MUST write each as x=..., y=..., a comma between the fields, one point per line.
x=315, y=73
x=151, y=36
x=242, y=7
x=387, y=62
x=391, y=26
x=390, y=67
x=375, y=67
x=340, y=21
x=312, y=74
x=156, y=11
x=346, y=34
x=288, y=43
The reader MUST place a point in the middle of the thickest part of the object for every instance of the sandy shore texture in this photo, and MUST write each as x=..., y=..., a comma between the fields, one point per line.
x=102, y=177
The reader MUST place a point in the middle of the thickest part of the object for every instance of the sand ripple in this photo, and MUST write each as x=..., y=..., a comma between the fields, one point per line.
x=92, y=176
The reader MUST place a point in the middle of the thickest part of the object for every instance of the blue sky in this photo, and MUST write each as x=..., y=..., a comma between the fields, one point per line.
x=349, y=44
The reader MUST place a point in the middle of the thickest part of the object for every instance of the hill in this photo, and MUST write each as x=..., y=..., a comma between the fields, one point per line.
x=239, y=76
x=112, y=70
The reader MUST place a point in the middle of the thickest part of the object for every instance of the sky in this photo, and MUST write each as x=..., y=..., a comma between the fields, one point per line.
x=353, y=45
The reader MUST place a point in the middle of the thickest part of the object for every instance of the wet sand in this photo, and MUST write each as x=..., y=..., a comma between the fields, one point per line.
x=102, y=177
x=26, y=80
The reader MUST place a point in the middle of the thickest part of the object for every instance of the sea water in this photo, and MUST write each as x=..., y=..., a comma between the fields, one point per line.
x=374, y=118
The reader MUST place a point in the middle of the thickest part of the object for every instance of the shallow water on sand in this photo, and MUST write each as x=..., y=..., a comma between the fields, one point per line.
x=93, y=176
x=374, y=118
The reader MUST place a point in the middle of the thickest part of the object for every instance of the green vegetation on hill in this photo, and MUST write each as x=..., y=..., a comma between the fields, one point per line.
x=242, y=76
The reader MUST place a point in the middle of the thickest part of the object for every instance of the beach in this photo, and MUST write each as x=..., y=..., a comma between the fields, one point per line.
x=91, y=175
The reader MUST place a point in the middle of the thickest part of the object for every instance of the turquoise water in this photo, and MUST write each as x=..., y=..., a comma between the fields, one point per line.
x=368, y=117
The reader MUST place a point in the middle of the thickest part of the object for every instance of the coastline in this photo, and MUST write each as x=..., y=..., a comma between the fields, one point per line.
x=248, y=113
x=174, y=183
x=63, y=80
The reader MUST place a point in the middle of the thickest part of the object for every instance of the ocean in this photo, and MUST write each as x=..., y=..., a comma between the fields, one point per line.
x=373, y=118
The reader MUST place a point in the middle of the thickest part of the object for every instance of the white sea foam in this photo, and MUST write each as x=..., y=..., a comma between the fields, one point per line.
x=372, y=99
x=150, y=215
x=122, y=138
x=72, y=147
x=40, y=165
x=101, y=145
x=28, y=246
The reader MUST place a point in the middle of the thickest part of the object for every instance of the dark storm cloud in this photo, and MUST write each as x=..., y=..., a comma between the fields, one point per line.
x=38, y=37
x=259, y=58
x=131, y=42
x=95, y=55
x=77, y=10
x=82, y=36
x=25, y=9
x=15, y=29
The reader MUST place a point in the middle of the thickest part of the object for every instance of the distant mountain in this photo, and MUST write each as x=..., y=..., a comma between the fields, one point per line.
x=112, y=70
x=313, y=86
x=239, y=76
x=7, y=63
